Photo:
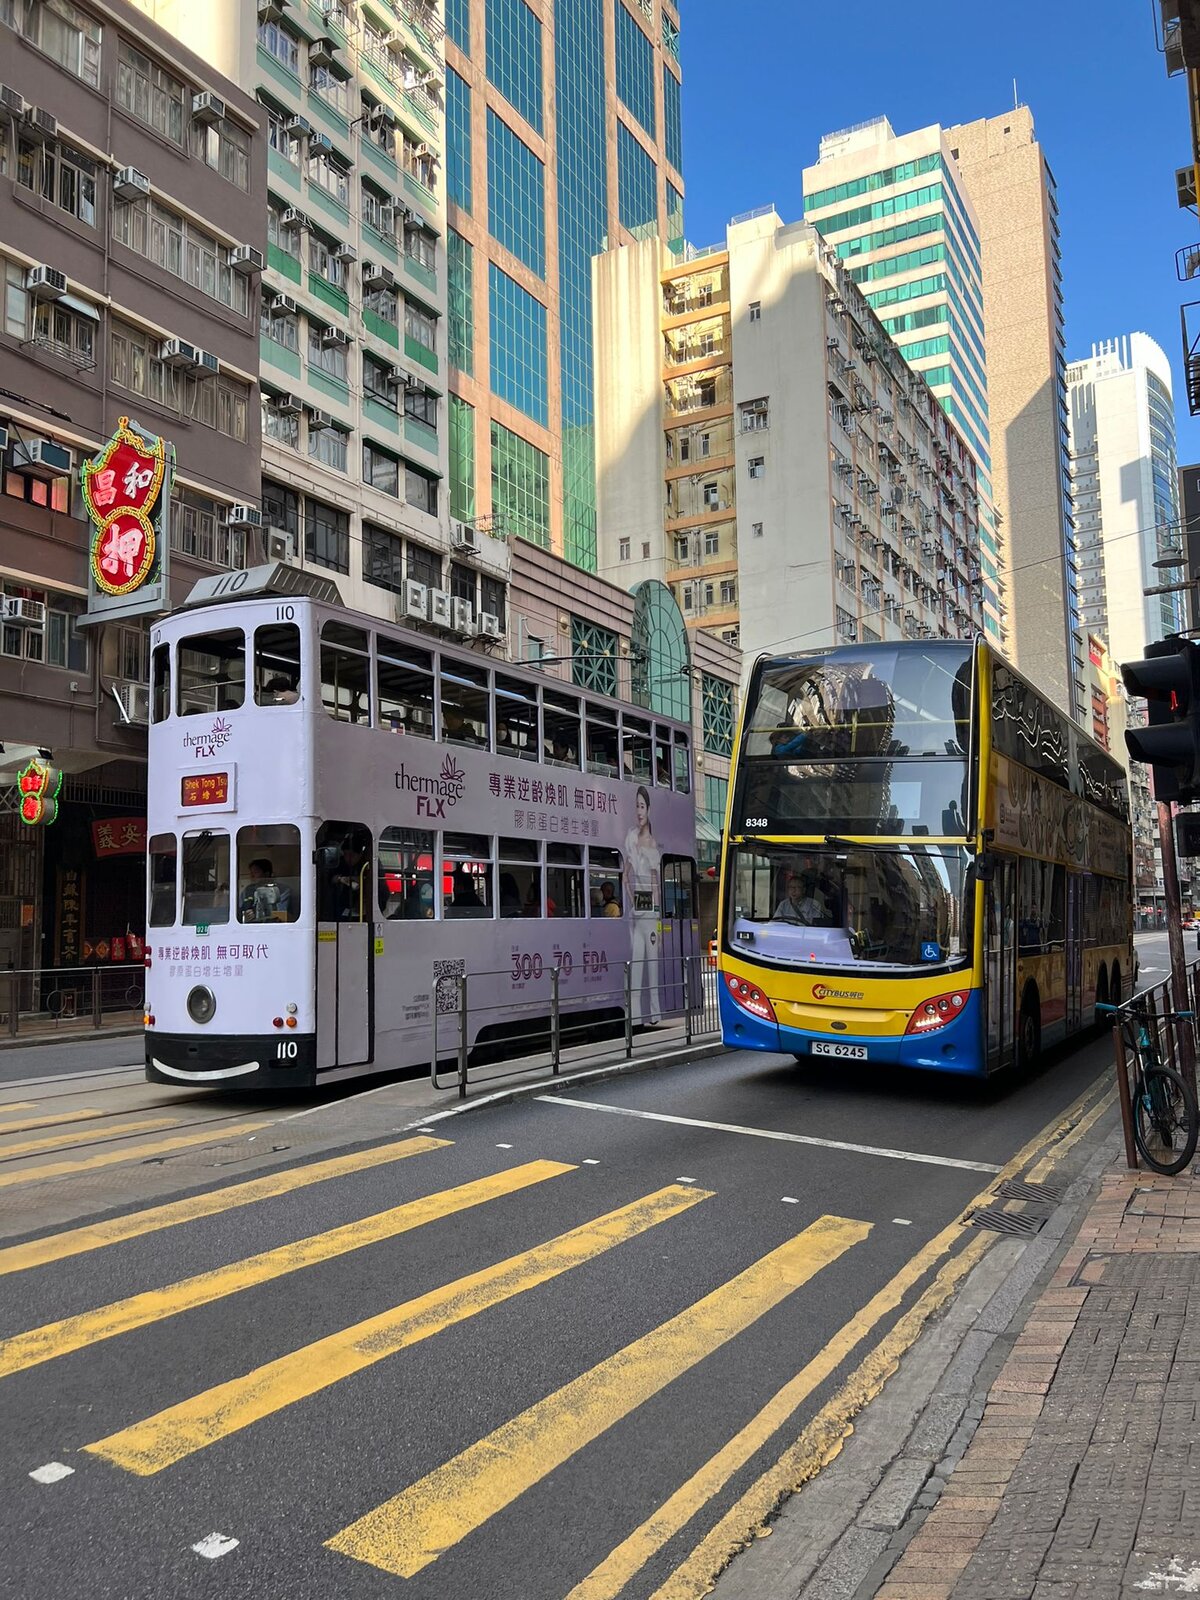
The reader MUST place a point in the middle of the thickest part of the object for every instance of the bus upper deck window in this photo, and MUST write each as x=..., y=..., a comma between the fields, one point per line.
x=560, y=728
x=211, y=673
x=164, y=860
x=205, y=878
x=160, y=680
x=277, y=664
x=345, y=672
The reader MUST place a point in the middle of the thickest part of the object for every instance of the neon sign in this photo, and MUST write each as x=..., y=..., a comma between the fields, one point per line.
x=122, y=487
x=39, y=785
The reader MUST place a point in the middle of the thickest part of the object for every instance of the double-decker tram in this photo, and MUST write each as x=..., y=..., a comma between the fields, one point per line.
x=926, y=863
x=345, y=816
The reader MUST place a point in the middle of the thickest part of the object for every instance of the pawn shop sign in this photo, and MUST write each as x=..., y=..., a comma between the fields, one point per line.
x=126, y=488
x=38, y=787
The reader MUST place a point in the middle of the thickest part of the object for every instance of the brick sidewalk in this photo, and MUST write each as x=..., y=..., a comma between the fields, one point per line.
x=1083, y=1477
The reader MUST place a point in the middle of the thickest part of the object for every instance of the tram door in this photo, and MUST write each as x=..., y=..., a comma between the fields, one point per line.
x=680, y=937
x=345, y=975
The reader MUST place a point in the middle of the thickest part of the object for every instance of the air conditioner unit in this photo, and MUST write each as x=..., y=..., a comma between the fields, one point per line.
x=416, y=601
x=345, y=252
x=282, y=303
x=376, y=276
x=207, y=107
x=46, y=283
x=430, y=80
x=243, y=516
x=279, y=544
x=298, y=126
x=464, y=618
x=288, y=404
x=130, y=184
x=463, y=536
x=425, y=152
x=320, y=144
x=381, y=117
x=439, y=607
x=11, y=101
x=333, y=336
x=41, y=458
x=272, y=10
x=207, y=364
x=322, y=52
x=19, y=613
x=319, y=419
x=293, y=218
x=489, y=625
x=133, y=704
x=397, y=378
x=244, y=258
x=39, y=124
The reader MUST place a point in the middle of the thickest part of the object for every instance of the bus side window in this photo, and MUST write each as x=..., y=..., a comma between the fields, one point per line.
x=269, y=874
x=277, y=664
x=164, y=860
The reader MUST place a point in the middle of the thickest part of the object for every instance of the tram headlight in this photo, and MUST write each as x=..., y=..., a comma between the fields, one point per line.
x=201, y=1004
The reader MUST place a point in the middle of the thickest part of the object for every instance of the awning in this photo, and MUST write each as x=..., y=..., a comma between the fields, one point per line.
x=83, y=308
x=706, y=831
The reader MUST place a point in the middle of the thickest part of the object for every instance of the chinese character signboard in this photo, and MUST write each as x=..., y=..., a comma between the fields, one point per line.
x=119, y=836
x=39, y=785
x=68, y=919
x=126, y=489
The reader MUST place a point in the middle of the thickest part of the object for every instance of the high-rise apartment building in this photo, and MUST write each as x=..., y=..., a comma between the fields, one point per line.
x=766, y=451
x=1008, y=181
x=563, y=137
x=896, y=210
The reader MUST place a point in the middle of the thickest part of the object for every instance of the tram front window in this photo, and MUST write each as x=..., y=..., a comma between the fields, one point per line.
x=164, y=861
x=205, y=878
x=277, y=664
x=211, y=672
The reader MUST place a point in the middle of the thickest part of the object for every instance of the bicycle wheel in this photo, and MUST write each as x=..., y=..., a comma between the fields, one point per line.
x=1165, y=1123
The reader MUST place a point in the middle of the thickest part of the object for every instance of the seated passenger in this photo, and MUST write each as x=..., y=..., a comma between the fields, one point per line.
x=281, y=691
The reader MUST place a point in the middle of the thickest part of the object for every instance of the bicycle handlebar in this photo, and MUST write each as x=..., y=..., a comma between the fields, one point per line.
x=1163, y=1016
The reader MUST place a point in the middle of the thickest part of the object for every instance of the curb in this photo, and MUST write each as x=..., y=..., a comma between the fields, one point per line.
x=91, y=1036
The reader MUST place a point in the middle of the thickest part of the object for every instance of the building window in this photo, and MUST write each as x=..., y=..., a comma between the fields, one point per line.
x=59, y=29
x=753, y=414
x=376, y=384
x=277, y=323
x=282, y=426
x=66, y=642
x=513, y=46
x=199, y=530
x=460, y=303
x=225, y=148
x=716, y=703
x=56, y=172
x=282, y=44
x=594, y=655
x=329, y=87
x=756, y=530
x=374, y=214
x=324, y=260
x=328, y=173
x=757, y=467
x=381, y=469
x=16, y=301
x=283, y=238
x=520, y=486
x=728, y=592
x=635, y=70
x=420, y=489
x=420, y=325
x=327, y=444
x=326, y=535
x=326, y=350
x=424, y=566
x=383, y=304
x=683, y=546
x=420, y=246
x=672, y=119
x=68, y=334
x=458, y=24
x=756, y=311
x=517, y=340
x=215, y=402
x=516, y=195
x=712, y=497
x=645, y=549
x=422, y=406
x=284, y=144
x=458, y=140
x=623, y=550
x=462, y=459
x=383, y=558
x=687, y=599
x=179, y=247
x=637, y=182
x=712, y=543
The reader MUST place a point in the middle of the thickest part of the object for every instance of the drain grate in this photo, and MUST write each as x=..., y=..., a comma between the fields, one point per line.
x=1048, y=1194
x=1022, y=1223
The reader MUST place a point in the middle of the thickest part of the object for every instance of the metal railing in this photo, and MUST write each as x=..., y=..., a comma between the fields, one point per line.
x=550, y=1020
x=1175, y=1037
x=35, y=1001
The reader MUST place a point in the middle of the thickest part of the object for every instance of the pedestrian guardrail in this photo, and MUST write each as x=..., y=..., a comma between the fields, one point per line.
x=550, y=1020
x=35, y=1001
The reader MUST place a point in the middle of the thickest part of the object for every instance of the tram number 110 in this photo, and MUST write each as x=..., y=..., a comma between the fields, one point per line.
x=286, y=1050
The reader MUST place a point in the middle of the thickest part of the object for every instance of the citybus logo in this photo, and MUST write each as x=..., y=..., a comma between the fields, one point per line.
x=820, y=992
x=434, y=794
x=209, y=742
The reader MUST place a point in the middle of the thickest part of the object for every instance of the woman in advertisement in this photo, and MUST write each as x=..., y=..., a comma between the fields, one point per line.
x=643, y=897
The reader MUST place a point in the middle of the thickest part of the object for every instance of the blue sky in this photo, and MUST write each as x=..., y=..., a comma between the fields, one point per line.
x=763, y=79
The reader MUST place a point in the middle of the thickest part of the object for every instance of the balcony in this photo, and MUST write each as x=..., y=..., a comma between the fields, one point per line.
x=686, y=395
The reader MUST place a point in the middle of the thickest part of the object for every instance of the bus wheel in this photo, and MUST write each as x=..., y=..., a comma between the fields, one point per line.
x=1029, y=1031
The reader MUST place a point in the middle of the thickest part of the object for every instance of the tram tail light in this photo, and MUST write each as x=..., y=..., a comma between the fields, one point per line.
x=937, y=1011
x=750, y=997
x=277, y=1022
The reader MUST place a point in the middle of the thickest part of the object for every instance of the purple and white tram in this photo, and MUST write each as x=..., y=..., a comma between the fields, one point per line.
x=344, y=816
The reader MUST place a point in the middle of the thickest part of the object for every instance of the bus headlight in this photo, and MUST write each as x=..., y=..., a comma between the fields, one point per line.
x=201, y=1004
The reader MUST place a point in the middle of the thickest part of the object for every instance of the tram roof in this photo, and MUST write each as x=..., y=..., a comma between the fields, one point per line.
x=275, y=578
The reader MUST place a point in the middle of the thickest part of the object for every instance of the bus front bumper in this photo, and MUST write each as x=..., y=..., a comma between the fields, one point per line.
x=247, y=1061
x=956, y=1047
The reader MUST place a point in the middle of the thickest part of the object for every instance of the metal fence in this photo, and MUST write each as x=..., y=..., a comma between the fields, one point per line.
x=547, y=1025
x=35, y=1001
x=1175, y=1037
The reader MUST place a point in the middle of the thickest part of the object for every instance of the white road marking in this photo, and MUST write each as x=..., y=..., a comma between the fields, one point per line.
x=772, y=1133
x=902, y=1222
x=504, y=1147
x=215, y=1545
x=52, y=1472
x=590, y=1161
x=789, y=1200
x=685, y=1180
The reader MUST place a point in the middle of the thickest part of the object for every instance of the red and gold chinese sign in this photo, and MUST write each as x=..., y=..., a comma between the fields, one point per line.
x=125, y=489
x=206, y=789
x=38, y=785
x=119, y=836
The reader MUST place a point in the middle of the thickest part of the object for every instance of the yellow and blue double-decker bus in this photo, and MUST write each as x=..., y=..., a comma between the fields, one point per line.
x=926, y=862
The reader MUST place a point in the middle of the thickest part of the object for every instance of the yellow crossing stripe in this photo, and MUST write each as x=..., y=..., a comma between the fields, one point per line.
x=115, y=1230
x=37, y=1122
x=412, y=1529
x=64, y=1141
x=215, y=1133
x=90, y=1327
x=147, y=1447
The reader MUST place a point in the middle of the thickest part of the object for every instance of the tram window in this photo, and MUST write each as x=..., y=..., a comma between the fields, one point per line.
x=519, y=878
x=564, y=881
x=405, y=684
x=211, y=672
x=683, y=767
x=662, y=756
x=277, y=665
x=560, y=729
x=164, y=859
x=464, y=704
x=406, y=888
x=516, y=719
x=603, y=742
x=269, y=874
x=160, y=680
x=205, y=878
x=604, y=882
x=343, y=857
x=636, y=739
x=345, y=673
x=466, y=876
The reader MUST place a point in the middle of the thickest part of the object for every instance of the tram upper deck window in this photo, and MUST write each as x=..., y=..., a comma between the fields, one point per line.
x=164, y=863
x=160, y=683
x=465, y=704
x=662, y=756
x=211, y=672
x=406, y=889
x=516, y=719
x=683, y=766
x=269, y=873
x=345, y=672
x=603, y=742
x=277, y=664
x=560, y=728
x=205, y=878
x=405, y=684
x=636, y=758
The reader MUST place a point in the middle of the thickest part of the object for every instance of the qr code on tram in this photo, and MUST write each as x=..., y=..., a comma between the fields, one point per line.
x=445, y=981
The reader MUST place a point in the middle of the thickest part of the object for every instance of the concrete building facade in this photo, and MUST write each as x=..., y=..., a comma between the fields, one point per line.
x=895, y=208
x=765, y=450
x=1008, y=181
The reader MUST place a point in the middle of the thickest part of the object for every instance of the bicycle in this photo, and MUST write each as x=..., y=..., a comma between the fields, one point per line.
x=1164, y=1104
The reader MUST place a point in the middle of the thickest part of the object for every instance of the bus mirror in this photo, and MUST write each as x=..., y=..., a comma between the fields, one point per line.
x=985, y=867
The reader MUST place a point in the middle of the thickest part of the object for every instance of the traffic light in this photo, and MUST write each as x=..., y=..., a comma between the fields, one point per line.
x=1168, y=679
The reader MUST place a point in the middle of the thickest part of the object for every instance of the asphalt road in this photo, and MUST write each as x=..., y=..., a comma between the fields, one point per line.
x=477, y=1365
